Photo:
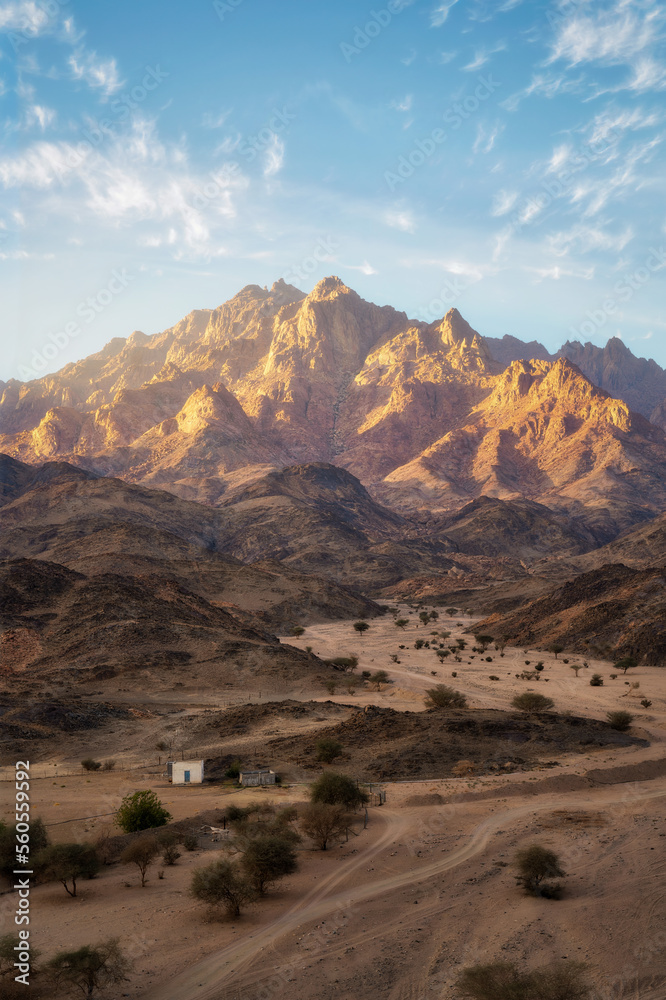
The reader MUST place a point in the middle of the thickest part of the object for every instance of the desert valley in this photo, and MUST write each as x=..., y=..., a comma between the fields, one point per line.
x=305, y=535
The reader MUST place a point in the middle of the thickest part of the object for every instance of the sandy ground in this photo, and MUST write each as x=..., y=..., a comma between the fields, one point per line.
x=427, y=889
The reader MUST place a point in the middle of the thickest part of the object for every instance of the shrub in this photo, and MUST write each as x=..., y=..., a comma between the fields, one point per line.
x=402, y=622
x=190, y=842
x=646, y=702
x=596, y=681
x=621, y=721
x=67, y=863
x=223, y=884
x=297, y=630
x=141, y=811
x=493, y=677
x=333, y=788
x=378, y=678
x=328, y=749
x=532, y=703
x=108, y=765
x=323, y=822
x=365, y=674
x=331, y=686
x=91, y=765
x=443, y=696
x=170, y=855
x=503, y=981
x=232, y=773
x=535, y=865
x=268, y=859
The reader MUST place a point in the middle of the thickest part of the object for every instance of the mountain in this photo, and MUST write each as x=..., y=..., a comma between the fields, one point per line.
x=614, y=611
x=639, y=382
x=421, y=414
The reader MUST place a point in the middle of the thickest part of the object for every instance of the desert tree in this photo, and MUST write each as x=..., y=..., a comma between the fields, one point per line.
x=556, y=649
x=323, y=822
x=378, y=678
x=483, y=641
x=334, y=789
x=536, y=866
x=268, y=859
x=141, y=811
x=361, y=626
x=223, y=883
x=90, y=969
x=402, y=622
x=67, y=863
x=141, y=852
x=575, y=667
x=625, y=663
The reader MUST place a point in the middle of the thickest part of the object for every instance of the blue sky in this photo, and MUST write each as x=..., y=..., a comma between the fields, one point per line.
x=506, y=158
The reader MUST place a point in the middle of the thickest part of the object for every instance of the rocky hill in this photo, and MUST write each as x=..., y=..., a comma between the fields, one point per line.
x=639, y=382
x=614, y=611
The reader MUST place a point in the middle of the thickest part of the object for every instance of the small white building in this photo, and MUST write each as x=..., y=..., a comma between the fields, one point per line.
x=263, y=776
x=187, y=772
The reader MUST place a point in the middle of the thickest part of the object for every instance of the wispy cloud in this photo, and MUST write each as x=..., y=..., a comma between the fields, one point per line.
x=29, y=17
x=486, y=135
x=402, y=105
x=274, y=157
x=482, y=56
x=98, y=73
x=400, y=219
x=439, y=15
x=503, y=202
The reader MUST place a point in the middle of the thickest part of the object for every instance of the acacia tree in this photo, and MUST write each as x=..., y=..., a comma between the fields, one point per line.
x=90, y=969
x=625, y=663
x=556, y=648
x=67, y=863
x=535, y=865
x=223, y=884
x=324, y=822
x=333, y=789
x=142, y=853
x=361, y=626
x=268, y=859
x=483, y=641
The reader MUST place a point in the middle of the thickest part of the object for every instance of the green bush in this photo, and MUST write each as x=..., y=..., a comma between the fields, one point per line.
x=91, y=765
x=333, y=788
x=443, y=696
x=141, y=811
x=619, y=720
x=268, y=859
x=596, y=681
x=532, y=703
x=328, y=749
